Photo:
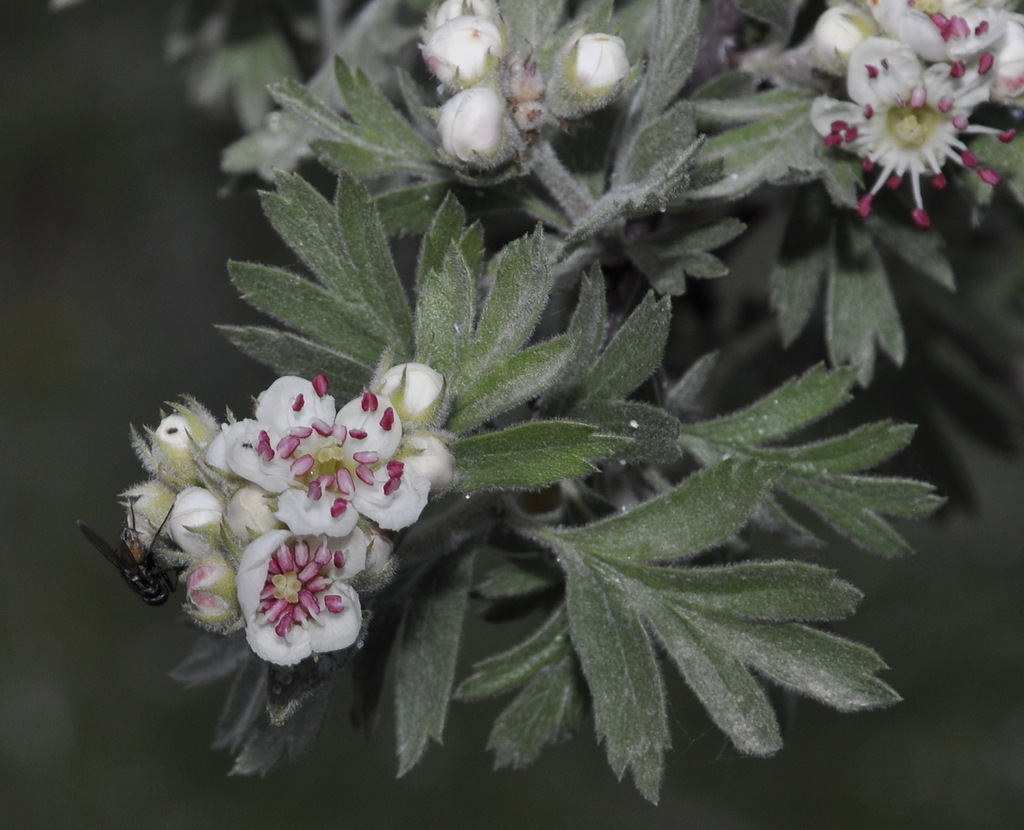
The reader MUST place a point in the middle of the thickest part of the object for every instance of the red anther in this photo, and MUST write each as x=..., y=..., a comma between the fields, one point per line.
x=344, y=480
x=838, y=126
x=387, y=420
x=872, y=70
x=1007, y=136
x=894, y=182
x=940, y=20
x=339, y=433
x=365, y=474
x=939, y=181
x=921, y=218
x=322, y=427
x=961, y=122
x=395, y=468
x=339, y=559
x=334, y=603
x=918, y=97
x=366, y=457
x=867, y=165
x=833, y=140
x=864, y=205
x=369, y=402
x=986, y=62
x=989, y=176
x=298, y=403
x=338, y=507
x=850, y=134
x=945, y=103
x=869, y=111
x=286, y=559
x=283, y=627
x=287, y=445
x=958, y=69
x=322, y=556
x=302, y=465
x=357, y=433
x=969, y=159
x=320, y=385
x=981, y=28
x=315, y=491
x=391, y=485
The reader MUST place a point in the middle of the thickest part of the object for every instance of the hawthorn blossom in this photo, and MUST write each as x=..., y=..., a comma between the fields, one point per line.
x=1009, y=82
x=906, y=118
x=329, y=466
x=942, y=30
x=472, y=126
x=295, y=596
x=463, y=50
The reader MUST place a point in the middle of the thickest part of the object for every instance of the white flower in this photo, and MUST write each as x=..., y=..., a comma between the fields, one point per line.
x=938, y=30
x=1010, y=61
x=905, y=118
x=250, y=512
x=472, y=125
x=195, y=510
x=295, y=596
x=837, y=32
x=463, y=50
x=598, y=64
x=414, y=388
x=328, y=466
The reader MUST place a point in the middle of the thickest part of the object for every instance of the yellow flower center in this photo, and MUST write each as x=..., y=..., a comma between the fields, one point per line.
x=287, y=586
x=912, y=127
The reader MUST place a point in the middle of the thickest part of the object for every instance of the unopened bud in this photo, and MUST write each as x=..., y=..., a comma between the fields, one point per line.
x=195, y=516
x=211, y=595
x=458, y=8
x=836, y=34
x=251, y=512
x=472, y=126
x=415, y=389
x=432, y=460
x=462, y=51
x=1009, y=83
x=589, y=73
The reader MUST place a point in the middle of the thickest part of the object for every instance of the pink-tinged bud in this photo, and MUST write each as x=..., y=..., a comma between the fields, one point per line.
x=416, y=391
x=462, y=51
x=211, y=598
x=194, y=519
x=472, y=126
x=1009, y=75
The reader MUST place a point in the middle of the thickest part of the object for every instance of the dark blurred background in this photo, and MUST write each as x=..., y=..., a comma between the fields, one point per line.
x=113, y=244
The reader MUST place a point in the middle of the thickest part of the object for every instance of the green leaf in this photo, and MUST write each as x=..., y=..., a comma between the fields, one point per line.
x=289, y=354
x=793, y=405
x=633, y=353
x=701, y=512
x=779, y=14
x=546, y=711
x=621, y=671
x=514, y=304
x=861, y=310
x=801, y=264
x=530, y=455
x=425, y=665
x=920, y=249
x=547, y=646
x=672, y=51
x=520, y=378
x=667, y=256
x=444, y=313
x=518, y=577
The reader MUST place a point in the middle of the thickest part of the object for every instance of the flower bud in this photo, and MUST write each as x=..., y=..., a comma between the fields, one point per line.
x=462, y=51
x=415, y=389
x=196, y=514
x=378, y=554
x=837, y=32
x=472, y=126
x=150, y=505
x=177, y=443
x=432, y=460
x=1009, y=81
x=458, y=8
x=589, y=73
x=210, y=593
x=251, y=512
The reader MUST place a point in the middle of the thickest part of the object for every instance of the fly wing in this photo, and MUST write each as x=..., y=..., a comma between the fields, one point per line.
x=118, y=558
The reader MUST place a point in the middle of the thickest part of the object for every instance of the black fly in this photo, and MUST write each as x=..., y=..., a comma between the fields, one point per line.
x=135, y=561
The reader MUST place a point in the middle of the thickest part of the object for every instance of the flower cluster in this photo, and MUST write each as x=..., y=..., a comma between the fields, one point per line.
x=914, y=75
x=282, y=518
x=499, y=98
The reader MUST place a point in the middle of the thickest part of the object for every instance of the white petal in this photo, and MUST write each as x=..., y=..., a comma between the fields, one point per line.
x=398, y=510
x=330, y=631
x=238, y=442
x=275, y=410
x=378, y=440
x=313, y=517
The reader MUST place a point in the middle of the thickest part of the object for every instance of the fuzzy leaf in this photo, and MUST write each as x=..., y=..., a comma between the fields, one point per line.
x=672, y=50
x=425, y=665
x=530, y=454
x=444, y=313
x=701, y=512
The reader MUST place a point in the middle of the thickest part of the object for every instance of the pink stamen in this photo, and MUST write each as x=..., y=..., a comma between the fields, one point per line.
x=339, y=507
x=395, y=468
x=921, y=218
x=301, y=432
x=302, y=465
x=833, y=140
x=366, y=457
x=344, y=480
x=322, y=555
x=278, y=609
x=263, y=448
x=918, y=97
x=308, y=602
x=339, y=559
x=288, y=445
x=958, y=69
x=864, y=205
x=989, y=177
x=369, y=402
x=838, y=126
x=322, y=427
x=894, y=182
x=391, y=485
x=945, y=103
x=320, y=385
x=850, y=134
x=339, y=433
x=358, y=434
x=387, y=420
x=872, y=70
x=318, y=583
x=961, y=122
x=981, y=28
x=939, y=181
x=315, y=491
x=869, y=111
x=298, y=403
x=364, y=474
x=1007, y=136
x=334, y=603
x=969, y=159
x=283, y=627
x=867, y=165
x=285, y=558
x=301, y=554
